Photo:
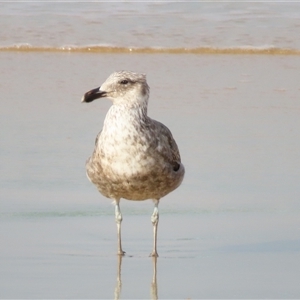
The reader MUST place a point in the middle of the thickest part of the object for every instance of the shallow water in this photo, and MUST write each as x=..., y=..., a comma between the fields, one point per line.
x=230, y=231
x=213, y=255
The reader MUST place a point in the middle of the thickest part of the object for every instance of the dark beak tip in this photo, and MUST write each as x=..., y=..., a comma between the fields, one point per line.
x=91, y=95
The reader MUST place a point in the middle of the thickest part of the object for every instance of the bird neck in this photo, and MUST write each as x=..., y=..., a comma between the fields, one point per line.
x=135, y=110
x=123, y=115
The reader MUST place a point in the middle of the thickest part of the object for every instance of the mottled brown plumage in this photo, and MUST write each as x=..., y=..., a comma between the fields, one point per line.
x=135, y=157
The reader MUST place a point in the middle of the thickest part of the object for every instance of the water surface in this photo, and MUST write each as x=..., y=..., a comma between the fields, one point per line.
x=230, y=231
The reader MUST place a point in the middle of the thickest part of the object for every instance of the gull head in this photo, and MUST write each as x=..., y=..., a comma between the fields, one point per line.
x=121, y=87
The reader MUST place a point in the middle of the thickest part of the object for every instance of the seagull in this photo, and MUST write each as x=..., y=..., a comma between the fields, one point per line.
x=135, y=157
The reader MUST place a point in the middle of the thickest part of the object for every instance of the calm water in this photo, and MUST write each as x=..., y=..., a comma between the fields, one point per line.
x=230, y=231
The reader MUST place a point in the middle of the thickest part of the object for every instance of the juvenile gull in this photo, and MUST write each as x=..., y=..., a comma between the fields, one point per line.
x=135, y=157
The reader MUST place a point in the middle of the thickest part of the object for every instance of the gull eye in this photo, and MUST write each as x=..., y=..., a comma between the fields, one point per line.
x=124, y=81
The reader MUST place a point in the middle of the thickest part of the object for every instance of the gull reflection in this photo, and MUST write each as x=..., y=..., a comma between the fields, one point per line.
x=119, y=281
x=154, y=282
x=118, y=288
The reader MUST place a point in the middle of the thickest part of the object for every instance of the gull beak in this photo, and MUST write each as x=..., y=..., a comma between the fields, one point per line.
x=93, y=95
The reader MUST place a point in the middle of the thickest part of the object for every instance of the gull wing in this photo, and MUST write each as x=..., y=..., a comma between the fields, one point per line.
x=166, y=144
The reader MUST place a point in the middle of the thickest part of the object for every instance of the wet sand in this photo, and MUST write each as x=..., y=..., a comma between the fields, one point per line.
x=230, y=231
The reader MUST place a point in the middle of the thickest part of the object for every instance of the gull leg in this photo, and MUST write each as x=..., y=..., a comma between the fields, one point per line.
x=118, y=217
x=154, y=220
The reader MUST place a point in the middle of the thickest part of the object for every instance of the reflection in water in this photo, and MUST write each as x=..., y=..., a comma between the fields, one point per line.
x=118, y=287
x=119, y=281
x=154, y=282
